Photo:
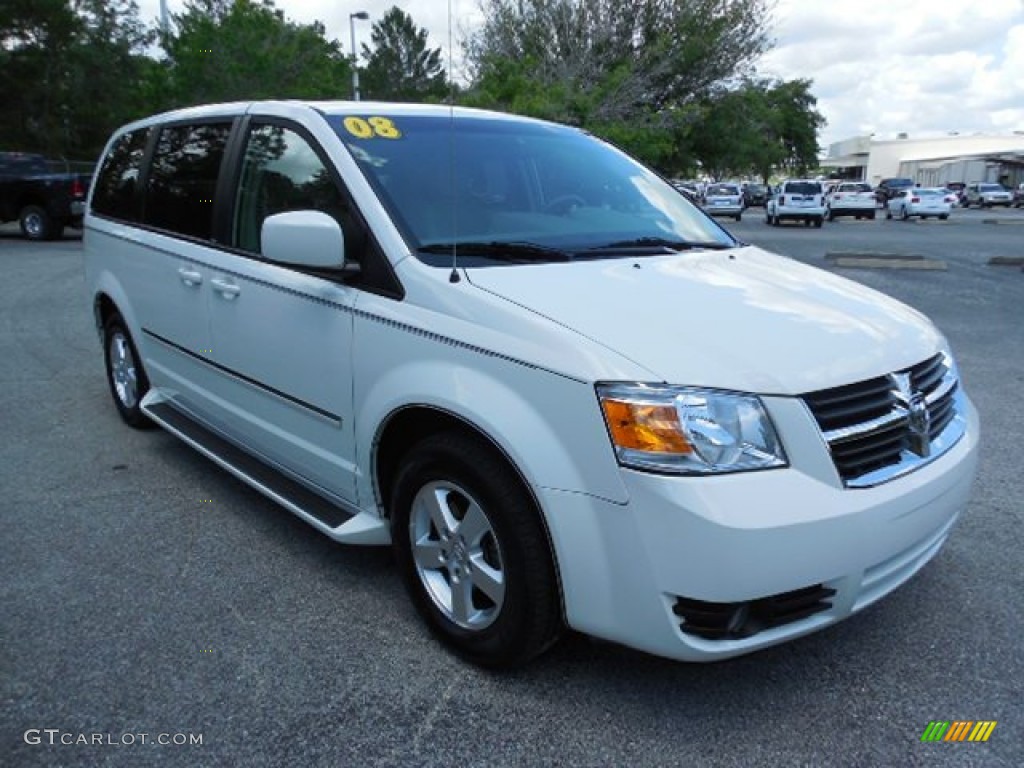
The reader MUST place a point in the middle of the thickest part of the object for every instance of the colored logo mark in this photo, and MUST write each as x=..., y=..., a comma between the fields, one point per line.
x=958, y=730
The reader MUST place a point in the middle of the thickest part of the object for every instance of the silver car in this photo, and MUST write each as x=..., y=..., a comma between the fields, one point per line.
x=724, y=200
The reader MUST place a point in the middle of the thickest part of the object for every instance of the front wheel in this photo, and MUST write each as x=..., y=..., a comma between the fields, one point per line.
x=818, y=221
x=943, y=216
x=738, y=217
x=125, y=375
x=888, y=213
x=473, y=551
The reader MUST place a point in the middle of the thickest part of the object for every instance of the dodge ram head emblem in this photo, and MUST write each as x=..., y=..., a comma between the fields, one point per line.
x=918, y=418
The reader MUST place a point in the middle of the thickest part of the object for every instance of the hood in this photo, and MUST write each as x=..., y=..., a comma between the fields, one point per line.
x=742, y=319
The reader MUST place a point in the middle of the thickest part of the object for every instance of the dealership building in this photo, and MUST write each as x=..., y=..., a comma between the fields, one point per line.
x=932, y=162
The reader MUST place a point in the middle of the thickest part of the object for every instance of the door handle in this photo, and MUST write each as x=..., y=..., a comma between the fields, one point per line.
x=225, y=289
x=190, y=277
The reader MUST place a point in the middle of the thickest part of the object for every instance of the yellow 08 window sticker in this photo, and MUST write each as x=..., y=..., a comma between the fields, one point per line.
x=372, y=127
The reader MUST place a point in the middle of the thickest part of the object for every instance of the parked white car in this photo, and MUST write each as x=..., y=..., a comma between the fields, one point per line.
x=797, y=200
x=922, y=202
x=722, y=199
x=560, y=391
x=851, y=198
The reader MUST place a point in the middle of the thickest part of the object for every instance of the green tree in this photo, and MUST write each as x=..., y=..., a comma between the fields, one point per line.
x=758, y=127
x=400, y=66
x=634, y=71
x=224, y=50
x=619, y=57
x=68, y=72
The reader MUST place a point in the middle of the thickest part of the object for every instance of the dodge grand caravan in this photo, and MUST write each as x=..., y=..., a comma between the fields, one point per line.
x=560, y=391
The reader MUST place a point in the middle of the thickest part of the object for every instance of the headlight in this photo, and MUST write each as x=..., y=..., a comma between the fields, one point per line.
x=688, y=431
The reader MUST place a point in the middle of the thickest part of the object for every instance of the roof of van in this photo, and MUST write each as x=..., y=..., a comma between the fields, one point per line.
x=327, y=108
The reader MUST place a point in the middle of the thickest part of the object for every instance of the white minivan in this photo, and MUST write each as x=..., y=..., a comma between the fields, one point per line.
x=563, y=393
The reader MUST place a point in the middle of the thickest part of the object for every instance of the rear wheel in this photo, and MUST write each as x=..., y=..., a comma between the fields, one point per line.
x=832, y=216
x=473, y=551
x=943, y=216
x=871, y=216
x=125, y=375
x=37, y=224
x=904, y=214
x=738, y=217
x=818, y=222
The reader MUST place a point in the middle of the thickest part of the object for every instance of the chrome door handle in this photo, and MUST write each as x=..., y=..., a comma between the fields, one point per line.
x=225, y=289
x=190, y=277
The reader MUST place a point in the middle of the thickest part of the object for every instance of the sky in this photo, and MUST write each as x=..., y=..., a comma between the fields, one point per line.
x=922, y=67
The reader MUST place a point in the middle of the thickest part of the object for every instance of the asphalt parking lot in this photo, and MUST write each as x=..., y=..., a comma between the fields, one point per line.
x=145, y=591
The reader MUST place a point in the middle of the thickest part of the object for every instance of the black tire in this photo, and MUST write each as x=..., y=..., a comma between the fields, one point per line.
x=832, y=216
x=888, y=213
x=871, y=216
x=776, y=221
x=818, y=222
x=37, y=224
x=738, y=217
x=943, y=216
x=464, y=473
x=125, y=375
x=903, y=214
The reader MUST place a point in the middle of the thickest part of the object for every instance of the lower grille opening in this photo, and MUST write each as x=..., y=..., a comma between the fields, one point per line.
x=735, y=621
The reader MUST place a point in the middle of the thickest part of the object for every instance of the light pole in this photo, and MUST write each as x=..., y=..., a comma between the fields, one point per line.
x=362, y=16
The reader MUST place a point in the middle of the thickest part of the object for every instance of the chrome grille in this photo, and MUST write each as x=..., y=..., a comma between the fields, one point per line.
x=880, y=428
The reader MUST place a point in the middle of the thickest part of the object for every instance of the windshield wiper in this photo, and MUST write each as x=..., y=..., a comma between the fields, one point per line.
x=501, y=250
x=661, y=242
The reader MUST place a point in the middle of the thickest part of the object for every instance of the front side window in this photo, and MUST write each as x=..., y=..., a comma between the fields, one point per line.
x=498, y=182
x=183, y=178
x=118, y=178
x=282, y=172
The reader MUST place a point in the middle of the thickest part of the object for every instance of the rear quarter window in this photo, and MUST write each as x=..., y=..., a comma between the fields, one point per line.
x=117, y=181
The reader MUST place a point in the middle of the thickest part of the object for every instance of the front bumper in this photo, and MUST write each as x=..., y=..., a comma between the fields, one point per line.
x=744, y=537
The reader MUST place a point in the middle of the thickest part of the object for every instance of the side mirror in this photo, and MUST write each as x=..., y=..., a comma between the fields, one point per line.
x=304, y=238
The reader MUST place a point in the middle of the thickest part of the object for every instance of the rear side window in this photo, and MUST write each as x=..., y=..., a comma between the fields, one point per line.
x=183, y=177
x=117, y=182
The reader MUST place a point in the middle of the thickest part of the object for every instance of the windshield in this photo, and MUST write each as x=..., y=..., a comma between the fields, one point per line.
x=490, y=181
x=803, y=188
x=722, y=189
x=991, y=187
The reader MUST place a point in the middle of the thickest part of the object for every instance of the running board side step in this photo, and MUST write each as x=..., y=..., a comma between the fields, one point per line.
x=344, y=524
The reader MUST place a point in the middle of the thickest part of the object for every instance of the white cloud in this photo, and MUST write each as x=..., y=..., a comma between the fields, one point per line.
x=926, y=67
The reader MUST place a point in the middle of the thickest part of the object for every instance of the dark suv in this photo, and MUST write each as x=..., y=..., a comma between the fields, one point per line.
x=755, y=194
x=887, y=188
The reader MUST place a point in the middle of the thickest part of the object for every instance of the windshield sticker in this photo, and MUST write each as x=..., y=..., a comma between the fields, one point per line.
x=372, y=127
